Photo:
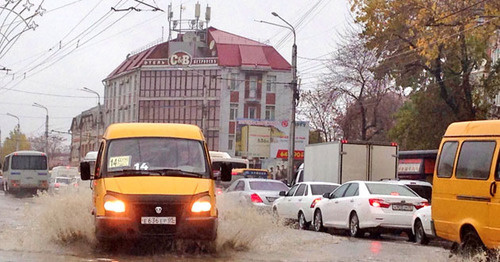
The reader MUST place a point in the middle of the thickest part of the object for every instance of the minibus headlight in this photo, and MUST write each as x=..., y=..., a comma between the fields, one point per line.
x=201, y=205
x=113, y=204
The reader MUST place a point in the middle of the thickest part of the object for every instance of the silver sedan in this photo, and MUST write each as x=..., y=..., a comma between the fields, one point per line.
x=255, y=192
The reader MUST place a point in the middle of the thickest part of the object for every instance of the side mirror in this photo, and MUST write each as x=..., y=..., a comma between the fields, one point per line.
x=85, y=170
x=326, y=195
x=225, y=173
x=282, y=193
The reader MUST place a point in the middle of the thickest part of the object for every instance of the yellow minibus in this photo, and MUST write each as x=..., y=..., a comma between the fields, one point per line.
x=153, y=180
x=465, y=199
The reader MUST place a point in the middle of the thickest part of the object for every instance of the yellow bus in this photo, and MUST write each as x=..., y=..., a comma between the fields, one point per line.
x=465, y=201
x=153, y=180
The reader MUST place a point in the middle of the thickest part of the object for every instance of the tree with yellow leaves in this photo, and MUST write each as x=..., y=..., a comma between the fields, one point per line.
x=440, y=49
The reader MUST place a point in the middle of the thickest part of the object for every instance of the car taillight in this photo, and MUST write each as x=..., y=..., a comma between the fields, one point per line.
x=421, y=204
x=56, y=185
x=375, y=202
x=313, y=204
x=255, y=198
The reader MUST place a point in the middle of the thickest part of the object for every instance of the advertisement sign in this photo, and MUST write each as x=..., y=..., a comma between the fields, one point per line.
x=181, y=58
x=269, y=138
x=410, y=166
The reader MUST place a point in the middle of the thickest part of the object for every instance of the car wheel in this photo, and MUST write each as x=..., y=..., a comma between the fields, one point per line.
x=471, y=243
x=276, y=217
x=318, y=221
x=303, y=224
x=420, y=236
x=354, y=230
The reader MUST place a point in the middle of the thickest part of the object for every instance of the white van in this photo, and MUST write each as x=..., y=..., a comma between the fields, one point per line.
x=25, y=171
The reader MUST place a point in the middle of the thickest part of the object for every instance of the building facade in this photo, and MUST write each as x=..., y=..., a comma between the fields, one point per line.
x=208, y=78
x=84, y=135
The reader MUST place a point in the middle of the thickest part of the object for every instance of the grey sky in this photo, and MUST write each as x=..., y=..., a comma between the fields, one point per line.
x=90, y=57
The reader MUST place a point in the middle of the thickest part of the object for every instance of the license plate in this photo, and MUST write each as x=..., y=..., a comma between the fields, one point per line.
x=402, y=207
x=158, y=220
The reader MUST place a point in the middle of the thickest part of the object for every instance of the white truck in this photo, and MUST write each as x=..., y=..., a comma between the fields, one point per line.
x=343, y=161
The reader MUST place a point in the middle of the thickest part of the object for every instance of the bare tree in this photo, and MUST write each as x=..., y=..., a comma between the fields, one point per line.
x=354, y=86
x=319, y=107
x=56, y=145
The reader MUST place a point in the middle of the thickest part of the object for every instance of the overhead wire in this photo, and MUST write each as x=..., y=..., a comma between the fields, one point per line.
x=66, y=46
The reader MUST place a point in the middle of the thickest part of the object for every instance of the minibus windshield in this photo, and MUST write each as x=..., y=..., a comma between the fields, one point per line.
x=153, y=154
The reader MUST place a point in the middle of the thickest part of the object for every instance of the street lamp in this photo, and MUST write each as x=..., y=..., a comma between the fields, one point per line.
x=46, y=126
x=295, y=97
x=99, y=113
x=17, y=130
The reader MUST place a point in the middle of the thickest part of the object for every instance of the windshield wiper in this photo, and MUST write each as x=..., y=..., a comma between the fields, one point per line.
x=135, y=172
x=178, y=172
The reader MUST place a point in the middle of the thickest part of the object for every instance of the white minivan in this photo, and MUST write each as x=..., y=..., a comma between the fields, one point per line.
x=25, y=171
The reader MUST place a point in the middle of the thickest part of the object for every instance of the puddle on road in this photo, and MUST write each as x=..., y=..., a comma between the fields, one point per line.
x=62, y=224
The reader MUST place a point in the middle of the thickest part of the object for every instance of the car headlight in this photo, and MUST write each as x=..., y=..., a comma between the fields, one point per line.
x=201, y=205
x=113, y=204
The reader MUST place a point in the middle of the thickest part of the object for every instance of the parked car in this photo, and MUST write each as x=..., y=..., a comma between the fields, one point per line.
x=256, y=192
x=422, y=188
x=60, y=182
x=362, y=206
x=298, y=202
x=421, y=225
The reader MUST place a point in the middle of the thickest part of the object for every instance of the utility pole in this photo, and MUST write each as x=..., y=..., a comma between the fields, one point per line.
x=99, y=115
x=46, y=126
x=295, y=99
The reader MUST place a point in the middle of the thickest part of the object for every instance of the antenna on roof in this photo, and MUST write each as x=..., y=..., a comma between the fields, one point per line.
x=207, y=14
x=197, y=11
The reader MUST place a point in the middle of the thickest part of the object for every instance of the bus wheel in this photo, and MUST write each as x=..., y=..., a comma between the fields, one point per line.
x=471, y=243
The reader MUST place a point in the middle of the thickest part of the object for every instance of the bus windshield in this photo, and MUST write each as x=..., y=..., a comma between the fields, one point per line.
x=25, y=162
x=156, y=153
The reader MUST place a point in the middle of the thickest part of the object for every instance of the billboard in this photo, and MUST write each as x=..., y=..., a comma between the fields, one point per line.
x=269, y=138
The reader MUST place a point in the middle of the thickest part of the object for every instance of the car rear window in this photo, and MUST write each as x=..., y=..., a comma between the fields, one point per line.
x=389, y=190
x=22, y=162
x=321, y=189
x=423, y=191
x=66, y=181
x=270, y=186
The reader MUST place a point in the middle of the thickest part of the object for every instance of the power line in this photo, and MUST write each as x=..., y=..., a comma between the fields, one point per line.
x=65, y=47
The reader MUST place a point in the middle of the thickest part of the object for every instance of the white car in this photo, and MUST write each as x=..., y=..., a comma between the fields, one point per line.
x=299, y=202
x=257, y=192
x=59, y=183
x=421, y=225
x=362, y=206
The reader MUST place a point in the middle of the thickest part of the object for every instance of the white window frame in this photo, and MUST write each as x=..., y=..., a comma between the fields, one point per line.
x=271, y=84
x=252, y=87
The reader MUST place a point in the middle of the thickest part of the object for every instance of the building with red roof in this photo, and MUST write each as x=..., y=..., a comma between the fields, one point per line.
x=210, y=78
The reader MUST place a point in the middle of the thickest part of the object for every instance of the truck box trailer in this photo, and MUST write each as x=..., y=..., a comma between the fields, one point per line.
x=343, y=161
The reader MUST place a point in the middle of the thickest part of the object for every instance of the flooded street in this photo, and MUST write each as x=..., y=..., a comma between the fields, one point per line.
x=60, y=228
